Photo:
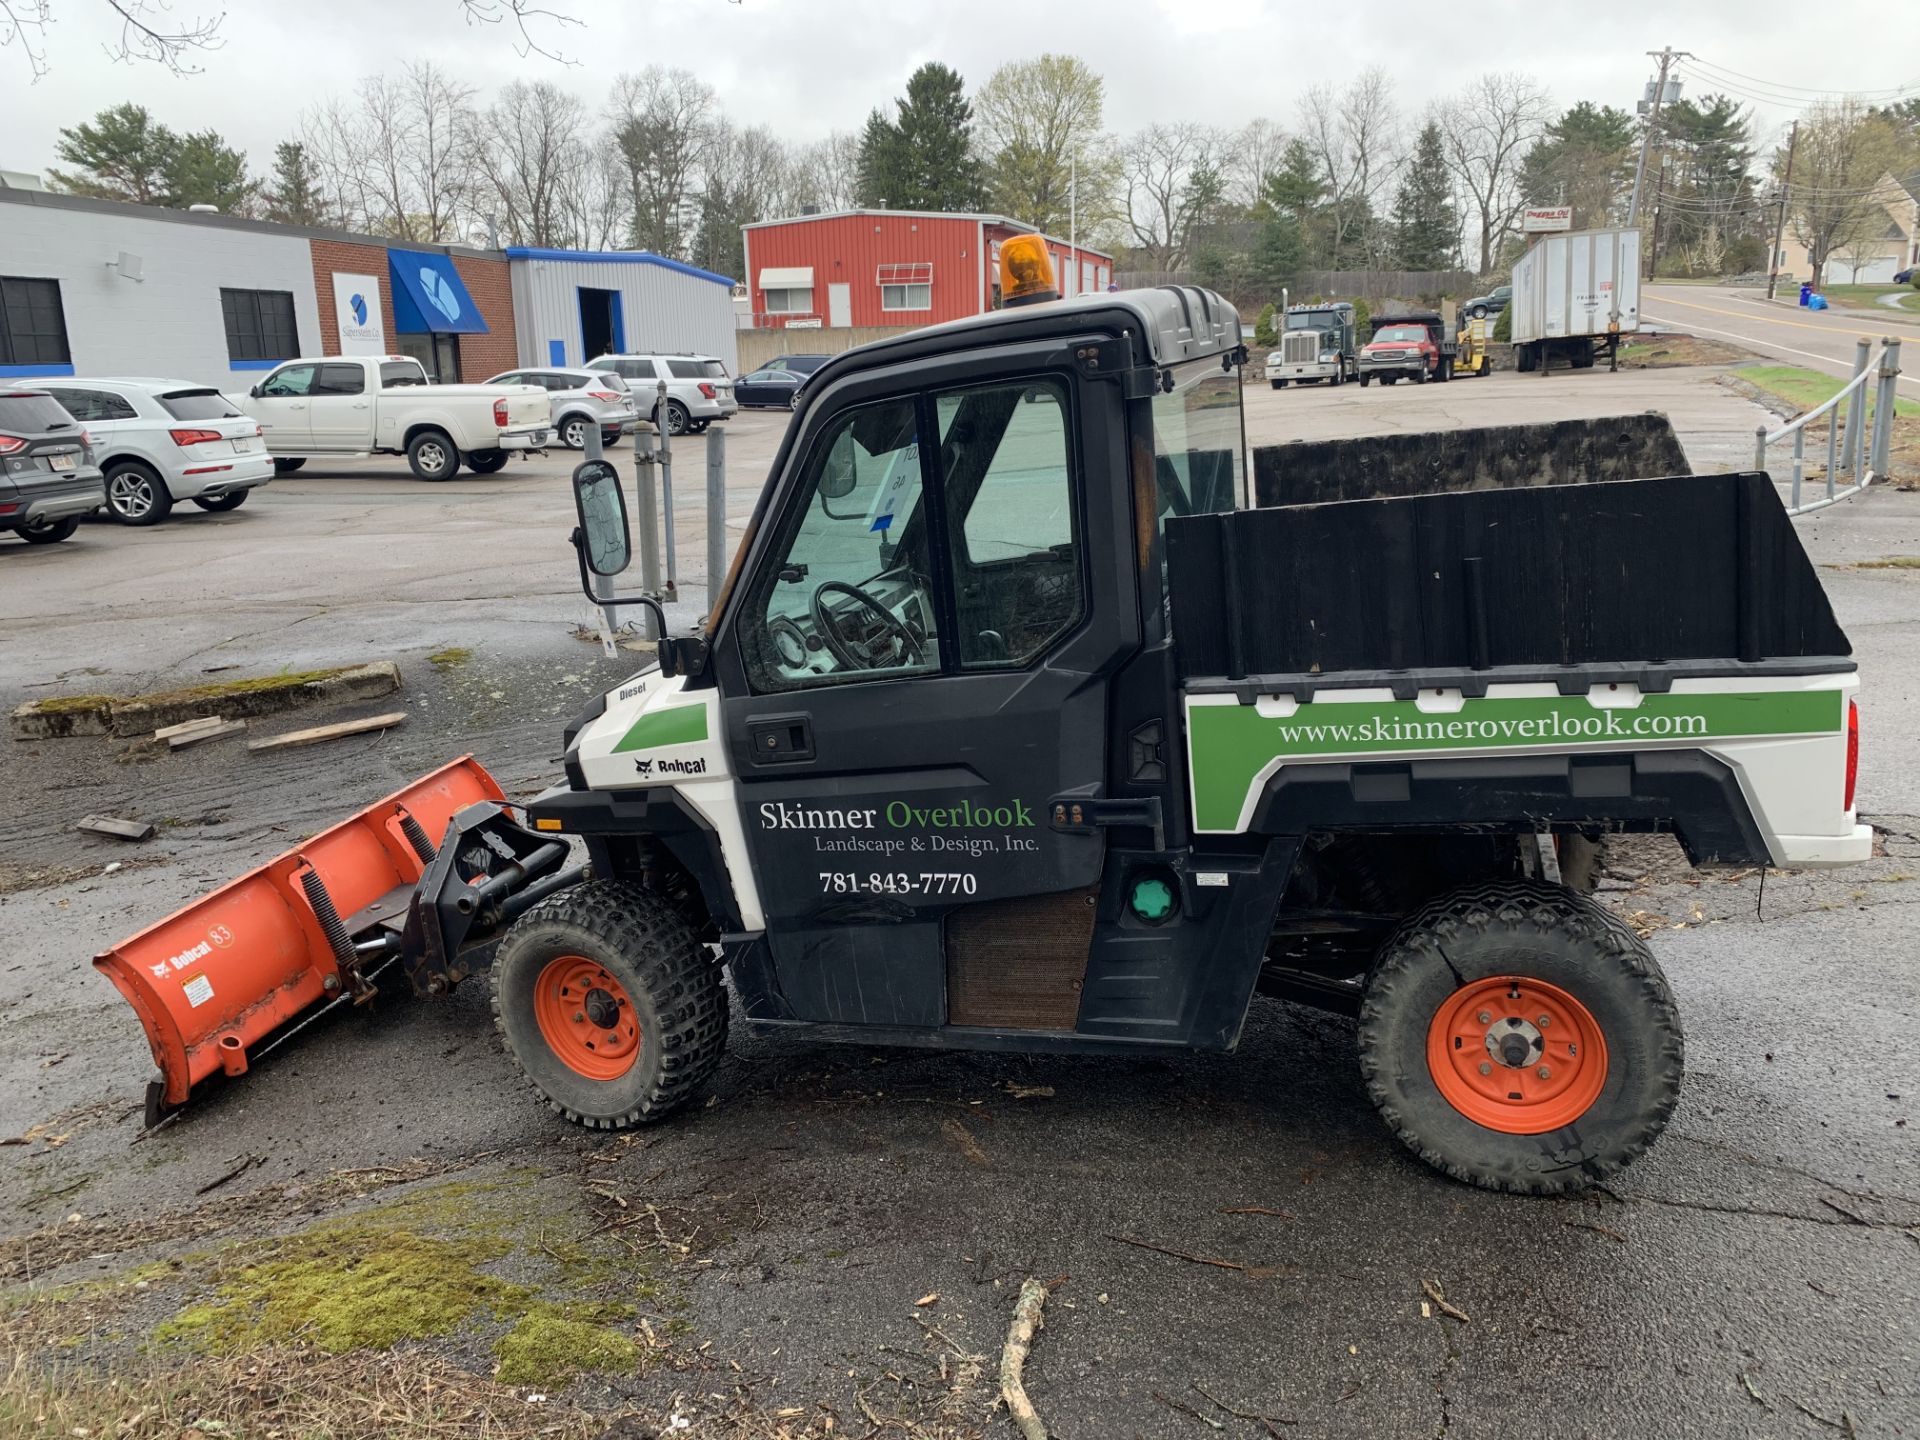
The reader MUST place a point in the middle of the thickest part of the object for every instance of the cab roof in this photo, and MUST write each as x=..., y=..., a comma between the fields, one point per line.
x=1178, y=323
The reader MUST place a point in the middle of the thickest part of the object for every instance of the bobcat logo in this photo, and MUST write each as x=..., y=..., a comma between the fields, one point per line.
x=643, y=767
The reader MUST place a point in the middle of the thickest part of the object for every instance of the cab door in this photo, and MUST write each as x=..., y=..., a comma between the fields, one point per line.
x=339, y=410
x=281, y=408
x=915, y=674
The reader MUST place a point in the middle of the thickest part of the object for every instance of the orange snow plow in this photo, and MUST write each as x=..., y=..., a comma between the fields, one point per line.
x=225, y=979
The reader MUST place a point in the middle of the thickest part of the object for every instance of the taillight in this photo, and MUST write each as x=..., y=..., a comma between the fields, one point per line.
x=706, y=390
x=606, y=396
x=11, y=443
x=500, y=412
x=1853, y=749
x=195, y=437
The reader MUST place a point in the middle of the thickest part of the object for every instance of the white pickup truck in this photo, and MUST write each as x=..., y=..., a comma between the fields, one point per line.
x=356, y=405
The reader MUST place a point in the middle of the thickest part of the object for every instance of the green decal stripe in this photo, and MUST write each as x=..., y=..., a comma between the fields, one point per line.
x=678, y=725
x=1231, y=744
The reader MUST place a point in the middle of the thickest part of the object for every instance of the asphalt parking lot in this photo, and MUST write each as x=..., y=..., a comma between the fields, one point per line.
x=1758, y=1273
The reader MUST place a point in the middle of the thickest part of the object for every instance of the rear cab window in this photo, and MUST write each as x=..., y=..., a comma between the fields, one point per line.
x=395, y=374
x=696, y=370
x=198, y=405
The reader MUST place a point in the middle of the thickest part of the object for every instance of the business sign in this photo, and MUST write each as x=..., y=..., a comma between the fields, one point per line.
x=356, y=305
x=1541, y=219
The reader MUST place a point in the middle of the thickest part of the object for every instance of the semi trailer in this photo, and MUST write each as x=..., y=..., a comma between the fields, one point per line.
x=1011, y=728
x=1575, y=295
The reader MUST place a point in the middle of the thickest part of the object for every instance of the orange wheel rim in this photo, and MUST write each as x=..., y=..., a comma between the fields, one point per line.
x=586, y=1017
x=1516, y=1055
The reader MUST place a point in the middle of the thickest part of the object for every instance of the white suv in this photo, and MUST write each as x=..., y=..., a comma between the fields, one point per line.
x=161, y=441
x=699, y=390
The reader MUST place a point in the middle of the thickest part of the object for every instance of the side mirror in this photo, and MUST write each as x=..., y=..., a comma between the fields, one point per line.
x=255, y=391
x=607, y=547
x=838, y=480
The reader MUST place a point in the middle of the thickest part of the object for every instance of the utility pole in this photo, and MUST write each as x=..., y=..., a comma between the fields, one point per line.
x=1653, y=245
x=1780, y=226
x=1666, y=57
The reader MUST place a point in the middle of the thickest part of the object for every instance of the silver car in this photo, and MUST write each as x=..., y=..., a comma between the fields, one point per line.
x=699, y=390
x=164, y=441
x=580, y=397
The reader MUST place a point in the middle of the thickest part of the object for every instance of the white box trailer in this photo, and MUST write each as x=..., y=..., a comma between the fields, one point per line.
x=1575, y=295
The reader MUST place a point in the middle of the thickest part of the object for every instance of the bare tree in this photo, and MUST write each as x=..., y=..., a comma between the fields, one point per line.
x=1354, y=135
x=593, y=198
x=825, y=171
x=1837, y=203
x=1251, y=158
x=149, y=32
x=400, y=155
x=1488, y=132
x=663, y=122
x=534, y=139
x=1172, y=183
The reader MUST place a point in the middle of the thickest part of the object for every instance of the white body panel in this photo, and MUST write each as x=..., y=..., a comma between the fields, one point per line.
x=1577, y=284
x=382, y=420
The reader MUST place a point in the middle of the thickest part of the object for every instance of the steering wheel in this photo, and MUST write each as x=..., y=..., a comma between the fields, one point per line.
x=858, y=655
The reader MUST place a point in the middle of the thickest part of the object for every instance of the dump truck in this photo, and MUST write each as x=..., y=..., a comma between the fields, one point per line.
x=1318, y=342
x=1012, y=728
x=1416, y=345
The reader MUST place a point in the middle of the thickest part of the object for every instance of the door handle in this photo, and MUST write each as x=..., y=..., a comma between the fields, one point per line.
x=780, y=739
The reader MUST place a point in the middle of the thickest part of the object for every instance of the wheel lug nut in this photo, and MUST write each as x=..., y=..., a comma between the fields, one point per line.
x=1485, y=1068
x=1545, y=1021
x=1486, y=1018
x=1544, y=1073
x=578, y=1016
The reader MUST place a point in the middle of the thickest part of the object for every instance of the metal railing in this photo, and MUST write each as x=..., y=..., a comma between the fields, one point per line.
x=1859, y=430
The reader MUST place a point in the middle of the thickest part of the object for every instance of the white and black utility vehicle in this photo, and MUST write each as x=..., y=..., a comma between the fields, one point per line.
x=349, y=406
x=699, y=390
x=1011, y=729
x=160, y=442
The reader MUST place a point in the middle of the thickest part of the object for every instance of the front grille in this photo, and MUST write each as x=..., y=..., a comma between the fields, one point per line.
x=1300, y=347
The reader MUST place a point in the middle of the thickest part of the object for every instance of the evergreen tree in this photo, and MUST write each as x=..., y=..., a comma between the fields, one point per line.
x=202, y=169
x=1426, y=226
x=880, y=169
x=293, y=196
x=121, y=154
x=1584, y=159
x=1296, y=223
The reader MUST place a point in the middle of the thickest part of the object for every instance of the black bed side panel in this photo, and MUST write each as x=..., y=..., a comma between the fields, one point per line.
x=1688, y=567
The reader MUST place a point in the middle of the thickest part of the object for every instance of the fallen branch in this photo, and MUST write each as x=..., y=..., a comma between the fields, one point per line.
x=1027, y=1320
x=1257, y=1272
x=1175, y=1405
x=1258, y=1210
x=1431, y=1289
x=1267, y=1420
x=1758, y=1399
x=247, y=1162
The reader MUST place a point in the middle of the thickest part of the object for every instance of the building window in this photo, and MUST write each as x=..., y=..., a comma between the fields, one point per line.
x=906, y=297
x=260, y=326
x=33, y=328
x=790, y=302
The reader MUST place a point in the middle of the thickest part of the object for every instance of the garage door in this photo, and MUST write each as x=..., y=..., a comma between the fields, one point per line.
x=1868, y=272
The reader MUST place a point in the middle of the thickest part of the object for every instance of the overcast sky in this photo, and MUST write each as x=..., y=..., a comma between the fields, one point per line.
x=807, y=67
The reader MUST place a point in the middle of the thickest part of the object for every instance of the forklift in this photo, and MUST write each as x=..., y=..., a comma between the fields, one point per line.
x=1012, y=728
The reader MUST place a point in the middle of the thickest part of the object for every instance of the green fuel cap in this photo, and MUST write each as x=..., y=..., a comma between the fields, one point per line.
x=1152, y=899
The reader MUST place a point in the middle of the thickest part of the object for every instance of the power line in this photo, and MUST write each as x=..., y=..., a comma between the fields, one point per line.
x=1912, y=86
x=1756, y=92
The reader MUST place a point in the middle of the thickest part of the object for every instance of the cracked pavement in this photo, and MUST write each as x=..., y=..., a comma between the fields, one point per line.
x=1757, y=1273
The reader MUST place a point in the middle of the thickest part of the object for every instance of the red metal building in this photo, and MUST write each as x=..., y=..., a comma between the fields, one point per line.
x=892, y=267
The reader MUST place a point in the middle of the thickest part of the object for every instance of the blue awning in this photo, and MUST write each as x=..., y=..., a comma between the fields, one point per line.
x=428, y=296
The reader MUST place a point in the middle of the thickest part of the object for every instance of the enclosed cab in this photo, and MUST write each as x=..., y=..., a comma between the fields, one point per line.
x=1417, y=345
x=1317, y=343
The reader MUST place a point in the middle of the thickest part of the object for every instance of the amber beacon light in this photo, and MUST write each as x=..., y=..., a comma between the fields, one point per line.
x=1026, y=271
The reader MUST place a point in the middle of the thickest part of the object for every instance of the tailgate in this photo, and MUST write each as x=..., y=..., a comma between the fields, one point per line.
x=528, y=408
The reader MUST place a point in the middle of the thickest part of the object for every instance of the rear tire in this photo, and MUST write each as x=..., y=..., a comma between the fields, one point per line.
x=660, y=976
x=1364, y=380
x=486, y=462
x=287, y=464
x=573, y=432
x=136, y=495
x=1606, y=1097
x=432, y=456
x=218, y=503
x=51, y=532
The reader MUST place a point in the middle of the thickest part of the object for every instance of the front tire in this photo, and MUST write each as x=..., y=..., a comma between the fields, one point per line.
x=50, y=532
x=486, y=462
x=677, y=417
x=1518, y=1037
x=613, y=1010
x=432, y=456
x=136, y=495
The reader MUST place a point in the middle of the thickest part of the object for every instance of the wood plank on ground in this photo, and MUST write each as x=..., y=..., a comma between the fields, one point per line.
x=216, y=731
x=186, y=727
x=319, y=733
x=118, y=828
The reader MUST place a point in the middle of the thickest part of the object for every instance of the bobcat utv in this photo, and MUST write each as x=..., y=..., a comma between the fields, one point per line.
x=1010, y=729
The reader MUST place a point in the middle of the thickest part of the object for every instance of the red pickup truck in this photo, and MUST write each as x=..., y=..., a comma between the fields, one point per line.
x=1419, y=346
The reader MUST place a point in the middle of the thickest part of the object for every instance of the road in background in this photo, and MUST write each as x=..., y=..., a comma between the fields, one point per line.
x=1823, y=339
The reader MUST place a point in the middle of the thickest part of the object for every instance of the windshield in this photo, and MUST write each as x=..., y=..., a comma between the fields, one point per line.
x=1319, y=320
x=1400, y=334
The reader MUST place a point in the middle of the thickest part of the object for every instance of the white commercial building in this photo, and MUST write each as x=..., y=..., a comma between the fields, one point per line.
x=573, y=305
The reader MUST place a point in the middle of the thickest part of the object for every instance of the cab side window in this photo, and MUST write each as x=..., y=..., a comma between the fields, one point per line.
x=294, y=380
x=849, y=596
x=341, y=380
x=1006, y=467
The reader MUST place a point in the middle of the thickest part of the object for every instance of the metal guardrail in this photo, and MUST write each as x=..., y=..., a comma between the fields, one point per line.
x=1859, y=432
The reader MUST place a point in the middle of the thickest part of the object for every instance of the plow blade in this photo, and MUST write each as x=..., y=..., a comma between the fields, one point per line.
x=213, y=980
